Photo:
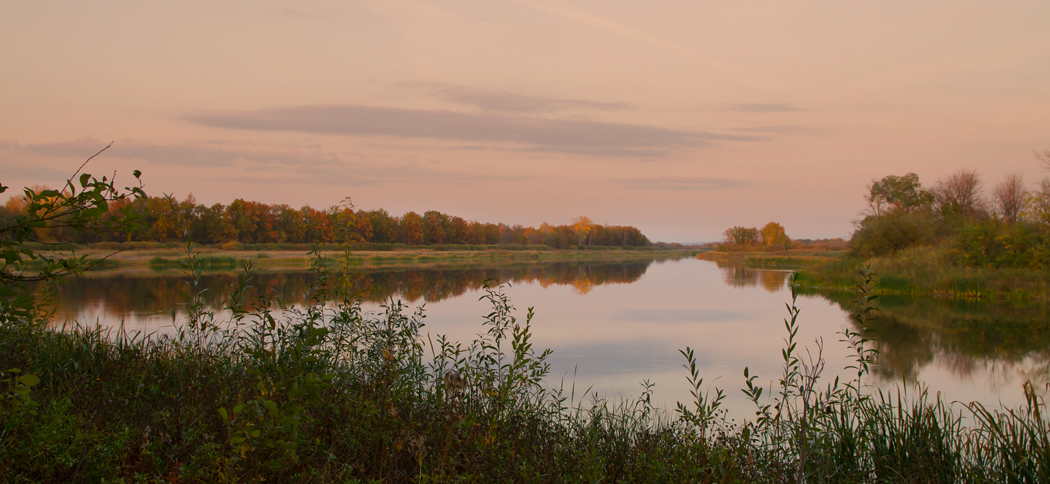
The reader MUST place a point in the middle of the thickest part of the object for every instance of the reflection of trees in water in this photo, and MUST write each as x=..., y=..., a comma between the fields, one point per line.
x=124, y=294
x=993, y=340
x=739, y=275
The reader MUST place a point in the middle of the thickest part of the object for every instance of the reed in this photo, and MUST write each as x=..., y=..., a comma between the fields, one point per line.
x=326, y=393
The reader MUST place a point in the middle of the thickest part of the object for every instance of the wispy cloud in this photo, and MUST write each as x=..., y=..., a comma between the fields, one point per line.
x=510, y=102
x=233, y=164
x=179, y=155
x=524, y=132
x=766, y=108
x=681, y=183
x=769, y=129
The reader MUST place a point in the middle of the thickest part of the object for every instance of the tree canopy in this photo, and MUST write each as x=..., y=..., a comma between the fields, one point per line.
x=898, y=194
x=167, y=219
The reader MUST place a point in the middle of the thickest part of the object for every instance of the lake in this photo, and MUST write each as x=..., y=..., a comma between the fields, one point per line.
x=613, y=325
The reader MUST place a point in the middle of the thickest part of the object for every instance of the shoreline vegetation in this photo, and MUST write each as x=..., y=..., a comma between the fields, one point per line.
x=921, y=271
x=944, y=241
x=277, y=257
x=324, y=393
x=161, y=220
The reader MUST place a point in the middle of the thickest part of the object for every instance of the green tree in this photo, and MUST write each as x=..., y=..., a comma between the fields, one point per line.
x=898, y=194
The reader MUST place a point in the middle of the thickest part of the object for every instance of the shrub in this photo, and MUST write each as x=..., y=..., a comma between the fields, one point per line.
x=891, y=233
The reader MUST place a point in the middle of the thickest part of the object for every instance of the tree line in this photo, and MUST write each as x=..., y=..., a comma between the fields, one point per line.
x=771, y=237
x=167, y=219
x=1007, y=227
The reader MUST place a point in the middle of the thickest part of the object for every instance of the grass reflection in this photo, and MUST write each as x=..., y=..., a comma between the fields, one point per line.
x=998, y=338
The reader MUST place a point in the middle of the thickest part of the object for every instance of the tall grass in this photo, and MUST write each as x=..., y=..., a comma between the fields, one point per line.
x=327, y=393
x=933, y=270
x=321, y=393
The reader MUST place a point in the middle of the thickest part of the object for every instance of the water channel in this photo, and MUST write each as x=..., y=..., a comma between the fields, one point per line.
x=614, y=325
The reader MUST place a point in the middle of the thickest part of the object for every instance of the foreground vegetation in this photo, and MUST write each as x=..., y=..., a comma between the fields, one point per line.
x=325, y=393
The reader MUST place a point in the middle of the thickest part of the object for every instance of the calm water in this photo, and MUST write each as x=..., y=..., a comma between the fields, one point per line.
x=614, y=325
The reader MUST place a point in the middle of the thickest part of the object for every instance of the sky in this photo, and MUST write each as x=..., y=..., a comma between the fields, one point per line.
x=682, y=118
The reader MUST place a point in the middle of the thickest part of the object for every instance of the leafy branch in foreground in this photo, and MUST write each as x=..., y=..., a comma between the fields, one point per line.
x=80, y=208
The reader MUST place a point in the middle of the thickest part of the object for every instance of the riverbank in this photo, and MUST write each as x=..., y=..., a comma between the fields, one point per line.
x=111, y=256
x=784, y=259
x=930, y=271
x=918, y=271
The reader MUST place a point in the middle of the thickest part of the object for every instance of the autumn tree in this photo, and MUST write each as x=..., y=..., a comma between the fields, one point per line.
x=216, y=226
x=362, y=227
x=317, y=226
x=437, y=227
x=740, y=237
x=582, y=225
x=167, y=219
x=960, y=194
x=461, y=229
x=410, y=227
x=1009, y=197
x=290, y=220
x=1037, y=204
x=774, y=236
x=384, y=227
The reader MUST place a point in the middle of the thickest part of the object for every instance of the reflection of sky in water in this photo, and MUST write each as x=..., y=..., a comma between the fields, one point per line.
x=611, y=336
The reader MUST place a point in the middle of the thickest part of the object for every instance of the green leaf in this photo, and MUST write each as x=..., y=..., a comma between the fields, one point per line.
x=272, y=407
x=28, y=380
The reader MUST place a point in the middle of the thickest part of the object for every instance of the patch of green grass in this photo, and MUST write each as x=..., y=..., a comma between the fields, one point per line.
x=895, y=283
x=209, y=262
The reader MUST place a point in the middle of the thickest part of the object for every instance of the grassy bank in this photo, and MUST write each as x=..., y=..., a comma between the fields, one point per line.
x=326, y=394
x=156, y=256
x=784, y=259
x=930, y=271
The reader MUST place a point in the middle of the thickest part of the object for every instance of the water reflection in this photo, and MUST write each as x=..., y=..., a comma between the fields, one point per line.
x=148, y=293
x=994, y=341
x=739, y=275
x=733, y=312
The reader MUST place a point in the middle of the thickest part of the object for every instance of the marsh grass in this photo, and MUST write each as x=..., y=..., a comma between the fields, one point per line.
x=208, y=262
x=321, y=393
x=327, y=393
x=933, y=270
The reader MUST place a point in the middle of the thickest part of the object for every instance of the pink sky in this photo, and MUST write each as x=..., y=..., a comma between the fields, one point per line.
x=679, y=117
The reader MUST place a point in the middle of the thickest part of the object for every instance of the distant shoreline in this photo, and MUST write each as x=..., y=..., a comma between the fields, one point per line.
x=107, y=258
